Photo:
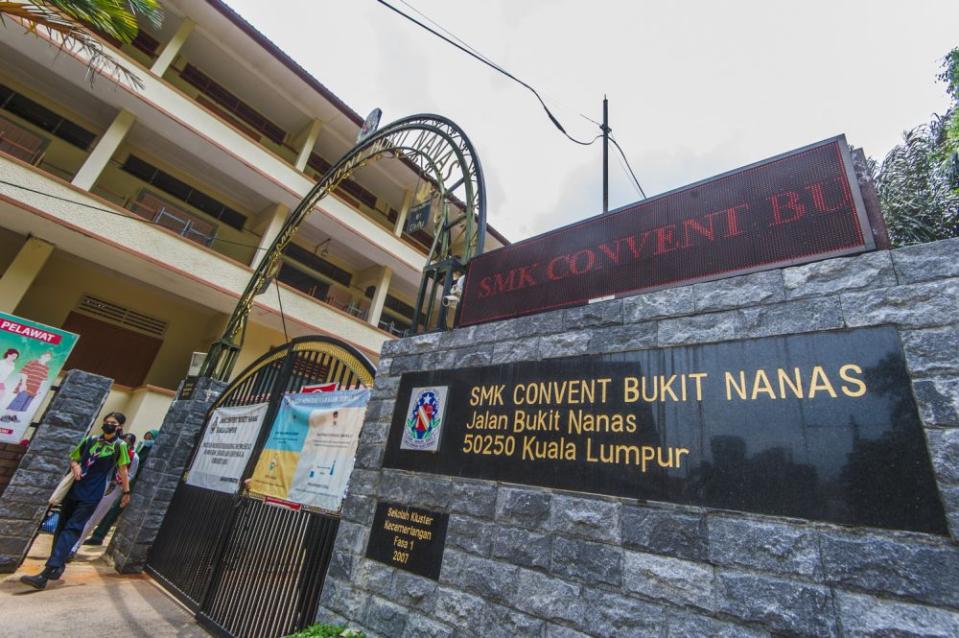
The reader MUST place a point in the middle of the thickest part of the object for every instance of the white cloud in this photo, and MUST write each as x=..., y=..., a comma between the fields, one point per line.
x=695, y=88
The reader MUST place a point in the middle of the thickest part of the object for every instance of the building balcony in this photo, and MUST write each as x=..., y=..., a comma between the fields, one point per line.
x=80, y=223
x=164, y=112
x=148, y=202
x=35, y=147
x=162, y=213
x=21, y=143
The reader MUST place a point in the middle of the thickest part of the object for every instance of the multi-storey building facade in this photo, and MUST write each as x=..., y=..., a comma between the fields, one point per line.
x=135, y=216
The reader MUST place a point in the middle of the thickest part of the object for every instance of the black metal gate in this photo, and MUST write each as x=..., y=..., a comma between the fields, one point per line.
x=249, y=569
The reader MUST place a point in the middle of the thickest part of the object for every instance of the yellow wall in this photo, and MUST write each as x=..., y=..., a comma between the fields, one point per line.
x=10, y=244
x=144, y=407
x=259, y=340
x=64, y=281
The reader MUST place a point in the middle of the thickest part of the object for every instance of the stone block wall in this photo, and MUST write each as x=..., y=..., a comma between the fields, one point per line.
x=10, y=455
x=531, y=561
x=24, y=502
x=138, y=527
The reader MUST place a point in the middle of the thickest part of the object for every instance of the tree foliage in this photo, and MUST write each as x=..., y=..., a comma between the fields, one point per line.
x=918, y=182
x=67, y=23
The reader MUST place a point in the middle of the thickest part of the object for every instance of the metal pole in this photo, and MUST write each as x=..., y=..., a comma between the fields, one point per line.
x=605, y=155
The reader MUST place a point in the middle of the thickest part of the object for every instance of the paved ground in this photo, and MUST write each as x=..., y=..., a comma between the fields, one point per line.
x=91, y=601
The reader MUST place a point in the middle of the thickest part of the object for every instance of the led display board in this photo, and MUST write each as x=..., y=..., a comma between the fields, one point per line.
x=798, y=207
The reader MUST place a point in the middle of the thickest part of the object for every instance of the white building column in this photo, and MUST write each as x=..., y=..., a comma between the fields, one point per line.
x=404, y=209
x=22, y=272
x=172, y=48
x=310, y=135
x=268, y=224
x=379, y=297
x=106, y=146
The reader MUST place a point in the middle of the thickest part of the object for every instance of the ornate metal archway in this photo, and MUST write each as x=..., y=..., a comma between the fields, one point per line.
x=440, y=152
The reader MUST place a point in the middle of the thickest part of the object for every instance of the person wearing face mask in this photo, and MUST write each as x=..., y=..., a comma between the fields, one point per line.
x=143, y=451
x=111, y=500
x=93, y=462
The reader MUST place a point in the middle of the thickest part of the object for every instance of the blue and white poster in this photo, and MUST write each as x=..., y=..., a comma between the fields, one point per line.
x=309, y=455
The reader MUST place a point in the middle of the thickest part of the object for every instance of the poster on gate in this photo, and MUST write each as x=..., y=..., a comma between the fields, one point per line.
x=31, y=357
x=226, y=447
x=309, y=454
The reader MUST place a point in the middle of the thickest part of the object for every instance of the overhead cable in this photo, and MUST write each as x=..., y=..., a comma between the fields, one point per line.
x=467, y=50
x=619, y=148
x=132, y=216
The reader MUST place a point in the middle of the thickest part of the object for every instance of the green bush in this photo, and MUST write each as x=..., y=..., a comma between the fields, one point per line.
x=327, y=631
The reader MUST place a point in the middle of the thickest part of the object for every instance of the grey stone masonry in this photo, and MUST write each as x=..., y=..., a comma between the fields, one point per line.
x=71, y=413
x=529, y=561
x=138, y=527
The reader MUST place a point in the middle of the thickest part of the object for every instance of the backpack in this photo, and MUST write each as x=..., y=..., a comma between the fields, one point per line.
x=88, y=444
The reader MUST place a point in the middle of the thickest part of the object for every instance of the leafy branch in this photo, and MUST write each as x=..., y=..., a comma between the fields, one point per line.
x=66, y=22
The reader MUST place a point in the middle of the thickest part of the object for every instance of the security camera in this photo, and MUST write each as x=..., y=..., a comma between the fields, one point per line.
x=456, y=292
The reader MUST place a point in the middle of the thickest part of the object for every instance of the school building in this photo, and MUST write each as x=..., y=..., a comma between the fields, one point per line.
x=135, y=216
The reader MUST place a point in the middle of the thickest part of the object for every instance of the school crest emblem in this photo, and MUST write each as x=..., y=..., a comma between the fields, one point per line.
x=424, y=419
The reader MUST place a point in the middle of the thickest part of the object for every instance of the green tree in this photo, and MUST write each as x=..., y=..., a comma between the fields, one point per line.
x=918, y=182
x=68, y=23
x=950, y=75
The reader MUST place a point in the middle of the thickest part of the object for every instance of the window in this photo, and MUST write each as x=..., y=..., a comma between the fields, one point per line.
x=146, y=43
x=183, y=191
x=232, y=103
x=20, y=142
x=348, y=186
x=296, y=278
x=398, y=306
x=318, y=264
x=42, y=117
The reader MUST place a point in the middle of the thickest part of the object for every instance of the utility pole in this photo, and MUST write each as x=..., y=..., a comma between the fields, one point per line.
x=605, y=155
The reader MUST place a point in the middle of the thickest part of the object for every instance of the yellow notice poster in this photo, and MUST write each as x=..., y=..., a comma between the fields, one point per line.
x=309, y=454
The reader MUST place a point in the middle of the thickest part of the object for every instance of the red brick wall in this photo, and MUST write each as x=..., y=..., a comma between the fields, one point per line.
x=10, y=455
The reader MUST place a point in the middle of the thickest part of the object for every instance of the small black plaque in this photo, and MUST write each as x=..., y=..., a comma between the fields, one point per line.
x=821, y=426
x=408, y=538
x=186, y=389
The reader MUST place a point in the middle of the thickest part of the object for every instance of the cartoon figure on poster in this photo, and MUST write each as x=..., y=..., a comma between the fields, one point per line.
x=31, y=357
x=309, y=454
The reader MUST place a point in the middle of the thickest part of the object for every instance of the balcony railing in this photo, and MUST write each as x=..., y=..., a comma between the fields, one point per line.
x=348, y=300
x=162, y=213
x=21, y=143
x=392, y=327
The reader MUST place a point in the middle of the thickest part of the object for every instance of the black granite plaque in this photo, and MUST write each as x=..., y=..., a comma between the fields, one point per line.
x=408, y=538
x=820, y=426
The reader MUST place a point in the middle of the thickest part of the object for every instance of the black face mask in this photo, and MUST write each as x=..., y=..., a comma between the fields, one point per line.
x=108, y=428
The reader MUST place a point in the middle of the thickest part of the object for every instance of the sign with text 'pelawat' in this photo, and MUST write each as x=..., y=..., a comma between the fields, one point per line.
x=799, y=207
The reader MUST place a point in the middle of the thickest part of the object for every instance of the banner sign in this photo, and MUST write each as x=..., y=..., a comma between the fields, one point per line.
x=31, y=357
x=798, y=207
x=309, y=454
x=417, y=218
x=319, y=387
x=226, y=447
x=820, y=426
x=408, y=538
